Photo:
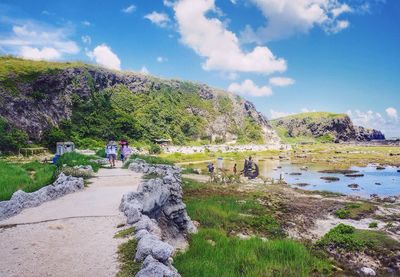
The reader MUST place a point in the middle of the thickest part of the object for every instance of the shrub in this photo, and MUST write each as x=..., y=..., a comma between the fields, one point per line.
x=342, y=236
x=11, y=139
x=155, y=149
x=373, y=225
x=342, y=213
x=72, y=159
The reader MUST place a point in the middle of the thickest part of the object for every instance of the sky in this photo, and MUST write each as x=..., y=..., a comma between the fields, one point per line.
x=286, y=56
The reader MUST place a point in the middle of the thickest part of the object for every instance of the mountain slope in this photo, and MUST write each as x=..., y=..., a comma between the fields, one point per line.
x=57, y=101
x=322, y=127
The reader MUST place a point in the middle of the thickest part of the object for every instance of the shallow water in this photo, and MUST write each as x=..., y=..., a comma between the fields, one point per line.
x=384, y=182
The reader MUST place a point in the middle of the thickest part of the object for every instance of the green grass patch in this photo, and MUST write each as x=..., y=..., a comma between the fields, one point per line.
x=126, y=257
x=373, y=225
x=149, y=159
x=179, y=157
x=73, y=159
x=230, y=211
x=351, y=239
x=27, y=177
x=124, y=233
x=213, y=253
x=356, y=210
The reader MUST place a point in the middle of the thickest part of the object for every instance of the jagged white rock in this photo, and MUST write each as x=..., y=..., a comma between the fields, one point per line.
x=21, y=200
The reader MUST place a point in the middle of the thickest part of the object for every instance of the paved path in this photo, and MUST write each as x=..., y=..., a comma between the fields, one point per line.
x=71, y=236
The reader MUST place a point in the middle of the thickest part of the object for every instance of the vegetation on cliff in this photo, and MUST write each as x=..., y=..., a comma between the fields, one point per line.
x=321, y=127
x=71, y=101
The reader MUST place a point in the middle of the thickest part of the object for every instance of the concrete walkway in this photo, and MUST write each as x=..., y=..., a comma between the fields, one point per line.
x=70, y=236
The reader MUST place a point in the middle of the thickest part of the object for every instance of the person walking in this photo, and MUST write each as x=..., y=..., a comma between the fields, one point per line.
x=111, y=152
x=126, y=151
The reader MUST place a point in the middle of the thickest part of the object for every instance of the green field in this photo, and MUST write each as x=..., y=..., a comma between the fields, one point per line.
x=216, y=250
x=27, y=177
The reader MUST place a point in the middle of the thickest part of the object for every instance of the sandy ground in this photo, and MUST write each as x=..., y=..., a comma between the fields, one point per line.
x=70, y=236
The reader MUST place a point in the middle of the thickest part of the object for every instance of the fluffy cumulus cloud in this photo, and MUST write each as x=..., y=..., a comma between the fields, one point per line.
x=247, y=87
x=160, y=19
x=209, y=38
x=287, y=17
x=104, y=56
x=129, y=9
x=386, y=122
x=281, y=81
x=392, y=113
x=34, y=41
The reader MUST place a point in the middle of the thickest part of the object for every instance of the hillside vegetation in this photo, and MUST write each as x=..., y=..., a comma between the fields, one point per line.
x=52, y=102
x=321, y=127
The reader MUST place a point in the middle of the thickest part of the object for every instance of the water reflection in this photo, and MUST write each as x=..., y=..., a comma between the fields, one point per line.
x=385, y=182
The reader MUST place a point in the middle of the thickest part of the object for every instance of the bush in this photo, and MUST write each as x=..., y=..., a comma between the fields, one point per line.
x=373, y=225
x=155, y=149
x=11, y=139
x=342, y=213
x=342, y=236
x=72, y=159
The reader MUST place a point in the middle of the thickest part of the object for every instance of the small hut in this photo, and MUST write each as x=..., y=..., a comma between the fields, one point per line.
x=64, y=147
x=163, y=142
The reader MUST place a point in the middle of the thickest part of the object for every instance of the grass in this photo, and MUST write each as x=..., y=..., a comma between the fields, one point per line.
x=27, y=177
x=149, y=159
x=355, y=210
x=351, y=239
x=343, y=156
x=179, y=157
x=227, y=210
x=73, y=159
x=126, y=257
x=213, y=253
x=216, y=250
x=124, y=233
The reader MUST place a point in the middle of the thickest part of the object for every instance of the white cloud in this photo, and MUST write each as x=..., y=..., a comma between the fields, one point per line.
x=277, y=114
x=86, y=39
x=129, y=9
x=86, y=23
x=281, y=81
x=340, y=25
x=247, y=87
x=168, y=3
x=104, y=56
x=392, y=113
x=40, y=42
x=288, y=17
x=46, y=53
x=162, y=59
x=160, y=19
x=144, y=70
x=209, y=38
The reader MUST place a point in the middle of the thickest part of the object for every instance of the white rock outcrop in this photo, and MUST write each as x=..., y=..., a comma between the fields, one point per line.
x=159, y=218
x=21, y=200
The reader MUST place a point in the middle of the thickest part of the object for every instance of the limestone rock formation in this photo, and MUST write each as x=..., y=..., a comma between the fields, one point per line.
x=39, y=99
x=159, y=218
x=324, y=126
x=21, y=200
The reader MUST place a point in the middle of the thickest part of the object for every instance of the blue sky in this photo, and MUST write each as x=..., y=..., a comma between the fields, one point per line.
x=286, y=56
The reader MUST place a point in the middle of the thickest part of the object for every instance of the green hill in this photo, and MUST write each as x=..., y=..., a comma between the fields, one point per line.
x=321, y=127
x=47, y=102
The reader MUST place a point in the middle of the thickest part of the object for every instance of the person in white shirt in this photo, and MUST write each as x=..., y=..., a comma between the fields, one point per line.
x=111, y=152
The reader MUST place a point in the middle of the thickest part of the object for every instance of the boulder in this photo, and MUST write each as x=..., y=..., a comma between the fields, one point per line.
x=153, y=268
x=367, y=271
x=152, y=245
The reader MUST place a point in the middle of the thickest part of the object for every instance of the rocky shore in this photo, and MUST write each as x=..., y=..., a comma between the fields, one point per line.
x=224, y=148
x=159, y=218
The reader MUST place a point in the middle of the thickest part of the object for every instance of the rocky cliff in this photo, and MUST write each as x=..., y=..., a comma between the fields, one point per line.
x=323, y=127
x=78, y=101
